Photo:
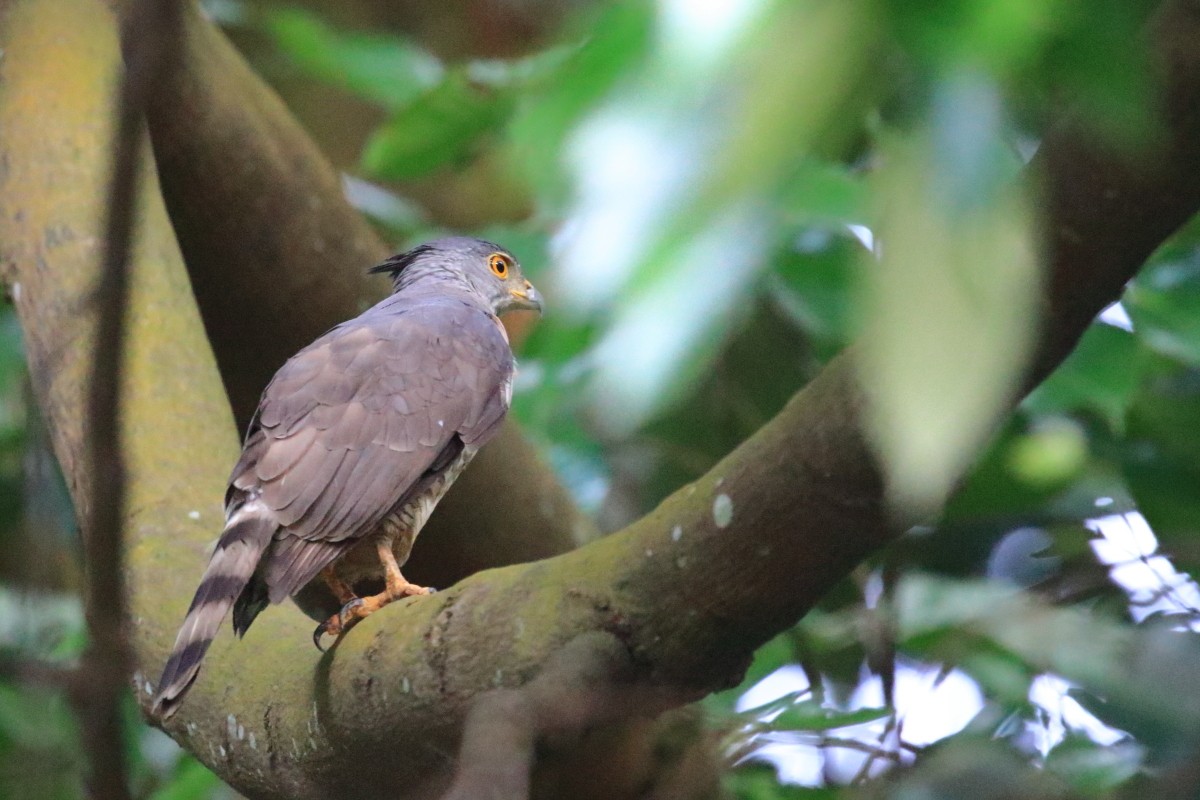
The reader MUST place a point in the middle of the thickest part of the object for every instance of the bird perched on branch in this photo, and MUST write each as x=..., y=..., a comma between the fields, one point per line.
x=355, y=440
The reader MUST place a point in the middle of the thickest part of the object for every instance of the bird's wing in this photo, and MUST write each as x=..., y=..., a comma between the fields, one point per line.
x=354, y=420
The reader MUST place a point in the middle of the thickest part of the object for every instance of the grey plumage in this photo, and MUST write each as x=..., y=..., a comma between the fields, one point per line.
x=361, y=431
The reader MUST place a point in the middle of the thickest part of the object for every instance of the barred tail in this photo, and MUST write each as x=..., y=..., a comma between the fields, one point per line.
x=229, y=571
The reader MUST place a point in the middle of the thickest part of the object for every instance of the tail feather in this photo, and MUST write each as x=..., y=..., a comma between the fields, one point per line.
x=230, y=569
x=250, y=602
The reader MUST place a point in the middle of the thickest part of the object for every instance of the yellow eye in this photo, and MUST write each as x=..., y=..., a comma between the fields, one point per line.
x=499, y=265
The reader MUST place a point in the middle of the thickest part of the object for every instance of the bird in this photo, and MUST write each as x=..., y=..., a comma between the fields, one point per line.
x=354, y=441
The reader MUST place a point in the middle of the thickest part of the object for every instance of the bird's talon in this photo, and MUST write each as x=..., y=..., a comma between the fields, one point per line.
x=318, y=633
x=347, y=615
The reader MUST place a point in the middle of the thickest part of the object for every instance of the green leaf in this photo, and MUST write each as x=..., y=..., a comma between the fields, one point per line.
x=528, y=73
x=1012, y=485
x=771, y=656
x=948, y=312
x=1001, y=673
x=1001, y=36
x=776, y=706
x=826, y=192
x=1101, y=375
x=973, y=767
x=811, y=716
x=383, y=69
x=191, y=781
x=615, y=41
x=1050, y=455
x=1164, y=304
x=1161, y=461
x=1144, y=673
x=1101, y=59
x=759, y=782
x=813, y=283
x=37, y=719
x=439, y=128
x=644, y=364
x=1092, y=769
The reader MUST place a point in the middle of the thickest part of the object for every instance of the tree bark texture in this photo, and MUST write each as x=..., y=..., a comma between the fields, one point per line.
x=690, y=590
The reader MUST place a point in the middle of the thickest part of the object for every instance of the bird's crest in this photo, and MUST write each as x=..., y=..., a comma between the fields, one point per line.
x=401, y=261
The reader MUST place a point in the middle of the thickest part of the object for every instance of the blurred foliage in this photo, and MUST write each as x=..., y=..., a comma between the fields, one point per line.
x=717, y=198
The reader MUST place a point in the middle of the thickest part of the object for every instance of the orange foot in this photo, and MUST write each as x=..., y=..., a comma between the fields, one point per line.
x=355, y=608
x=361, y=607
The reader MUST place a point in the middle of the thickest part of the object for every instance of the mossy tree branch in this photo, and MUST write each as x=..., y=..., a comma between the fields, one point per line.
x=690, y=590
x=58, y=79
x=106, y=663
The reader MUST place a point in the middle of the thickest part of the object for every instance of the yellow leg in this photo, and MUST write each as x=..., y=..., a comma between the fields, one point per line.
x=397, y=586
x=355, y=608
x=341, y=590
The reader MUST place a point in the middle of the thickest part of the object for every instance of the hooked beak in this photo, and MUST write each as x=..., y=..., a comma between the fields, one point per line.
x=526, y=298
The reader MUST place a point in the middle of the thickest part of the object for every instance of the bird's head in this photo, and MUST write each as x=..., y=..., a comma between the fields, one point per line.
x=486, y=268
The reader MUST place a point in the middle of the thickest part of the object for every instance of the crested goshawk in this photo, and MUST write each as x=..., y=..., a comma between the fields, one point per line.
x=354, y=442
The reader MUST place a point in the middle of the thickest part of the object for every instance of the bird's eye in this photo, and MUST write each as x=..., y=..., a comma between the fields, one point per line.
x=499, y=265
